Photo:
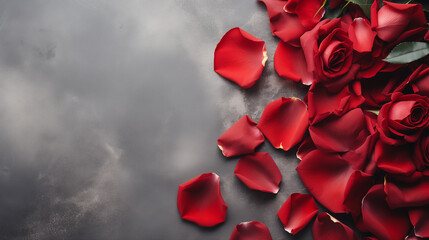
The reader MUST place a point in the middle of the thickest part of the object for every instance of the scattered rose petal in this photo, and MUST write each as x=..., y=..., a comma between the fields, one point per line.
x=305, y=148
x=284, y=25
x=284, y=122
x=409, y=192
x=394, y=159
x=420, y=219
x=340, y=134
x=327, y=227
x=383, y=222
x=326, y=176
x=259, y=172
x=241, y=138
x=199, y=200
x=356, y=189
x=289, y=63
x=251, y=231
x=297, y=212
x=322, y=103
x=240, y=57
x=361, y=34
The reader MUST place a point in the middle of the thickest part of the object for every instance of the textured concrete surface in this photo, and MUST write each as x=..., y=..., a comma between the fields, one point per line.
x=107, y=106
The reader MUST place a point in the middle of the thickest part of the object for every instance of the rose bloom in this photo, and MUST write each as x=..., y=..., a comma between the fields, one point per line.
x=403, y=119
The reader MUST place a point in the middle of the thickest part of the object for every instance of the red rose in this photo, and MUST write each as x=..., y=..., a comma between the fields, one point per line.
x=326, y=57
x=328, y=52
x=418, y=82
x=403, y=119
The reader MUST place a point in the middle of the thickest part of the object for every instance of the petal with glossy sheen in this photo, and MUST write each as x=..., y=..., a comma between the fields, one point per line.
x=289, y=63
x=297, y=212
x=340, y=134
x=251, y=231
x=361, y=34
x=284, y=122
x=309, y=12
x=356, y=189
x=240, y=57
x=305, y=148
x=241, y=138
x=393, y=19
x=326, y=176
x=259, y=172
x=383, y=222
x=420, y=219
x=286, y=26
x=199, y=200
x=327, y=227
x=407, y=194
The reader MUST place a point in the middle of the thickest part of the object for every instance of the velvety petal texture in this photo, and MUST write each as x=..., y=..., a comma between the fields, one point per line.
x=240, y=57
x=241, y=138
x=199, y=200
x=284, y=122
x=253, y=230
x=383, y=222
x=327, y=227
x=394, y=159
x=326, y=176
x=297, y=212
x=259, y=172
x=289, y=63
x=420, y=219
x=361, y=34
x=409, y=192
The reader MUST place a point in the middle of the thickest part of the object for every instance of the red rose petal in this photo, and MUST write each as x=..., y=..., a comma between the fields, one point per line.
x=199, y=200
x=393, y=19
x=297, y=212
x=259, y=172
x=285, y=26
x=420, y=219
x=326, y=176
x=284, y=122
x=413, y=193
x=327, y=227
x=322, y=103
x=289, y=63
x=241, y=138
x=309, y=12
x=240, y=57
x=356, y=189
x=394, y=159
x=305, y=148
x=340, y=134
x=380, y=220
x=251, y=231
x=361, y=34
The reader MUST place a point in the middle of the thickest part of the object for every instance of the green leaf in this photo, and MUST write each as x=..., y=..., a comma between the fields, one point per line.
x=407, y=52
x=365, y=5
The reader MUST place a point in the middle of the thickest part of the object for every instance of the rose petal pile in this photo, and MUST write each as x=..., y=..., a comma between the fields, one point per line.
x=363, y=125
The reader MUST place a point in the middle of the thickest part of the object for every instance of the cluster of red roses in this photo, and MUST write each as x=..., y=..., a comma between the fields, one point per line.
x=364, y=123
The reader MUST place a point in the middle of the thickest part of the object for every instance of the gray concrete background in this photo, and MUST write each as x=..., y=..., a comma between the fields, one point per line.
x=107, y=106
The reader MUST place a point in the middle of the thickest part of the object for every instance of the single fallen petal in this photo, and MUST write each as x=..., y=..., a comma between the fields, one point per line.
x=305, y=148
x=259, y=172
x=297, y=212
x=327, y=227
x=284, y=122
x=199, y=200
x=240, y=57
x=420, y=219
x=289, y=63
x=241, y=138
x=356, y=189
x=340, y=134
x=411, y=193
x=394, y=159
x=251, y=231
x=326, y=176
x=286, y=26
x=361, y=34
x=383, y=222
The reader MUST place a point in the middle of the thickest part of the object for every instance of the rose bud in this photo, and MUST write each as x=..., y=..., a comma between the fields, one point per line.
x=403, y=119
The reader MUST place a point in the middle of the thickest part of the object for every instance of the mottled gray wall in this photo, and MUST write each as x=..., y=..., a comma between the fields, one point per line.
x=107, y=106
